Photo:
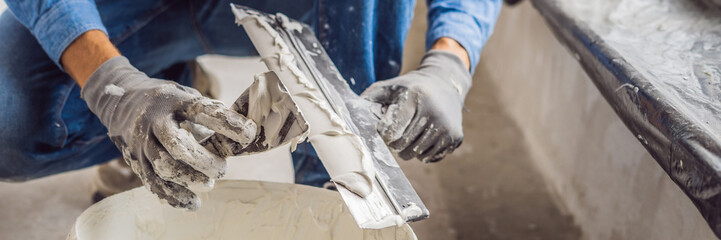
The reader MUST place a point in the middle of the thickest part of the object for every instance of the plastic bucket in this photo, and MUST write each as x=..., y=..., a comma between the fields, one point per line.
x=232, y=210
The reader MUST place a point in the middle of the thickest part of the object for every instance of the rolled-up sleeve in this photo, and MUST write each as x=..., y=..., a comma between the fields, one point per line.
x=469, y=22
x=57, y=23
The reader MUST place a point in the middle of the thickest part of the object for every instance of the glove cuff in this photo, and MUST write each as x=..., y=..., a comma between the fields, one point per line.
x=450, y=67
x=103, y=90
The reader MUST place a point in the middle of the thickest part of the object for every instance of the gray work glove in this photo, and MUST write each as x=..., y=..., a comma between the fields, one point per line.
x=421, y=116
x=143, y=117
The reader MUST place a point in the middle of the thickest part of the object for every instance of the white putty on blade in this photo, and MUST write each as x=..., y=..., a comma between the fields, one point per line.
x=267, y=102
x=329, y=134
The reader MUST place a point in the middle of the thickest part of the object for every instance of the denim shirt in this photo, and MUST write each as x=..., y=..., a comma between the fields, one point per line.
x=364, y=38
x=56, y=23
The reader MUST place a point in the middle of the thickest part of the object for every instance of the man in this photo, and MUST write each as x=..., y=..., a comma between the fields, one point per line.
x=82, y=82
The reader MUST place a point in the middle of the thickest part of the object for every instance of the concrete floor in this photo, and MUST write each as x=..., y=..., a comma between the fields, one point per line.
x=487, y=189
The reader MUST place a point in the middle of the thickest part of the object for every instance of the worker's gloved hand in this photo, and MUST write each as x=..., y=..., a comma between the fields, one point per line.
x=143, y=117
x=422, y=110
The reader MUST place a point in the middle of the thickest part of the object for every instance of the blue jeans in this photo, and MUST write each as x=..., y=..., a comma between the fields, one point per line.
x=46, y=128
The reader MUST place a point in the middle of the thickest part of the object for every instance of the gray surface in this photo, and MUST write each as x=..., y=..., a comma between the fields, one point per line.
x=675, y=45
x=656, y=63
x=44, y=208
x=598, y=169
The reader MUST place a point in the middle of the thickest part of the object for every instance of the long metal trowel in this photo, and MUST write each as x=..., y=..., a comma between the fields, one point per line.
x=291, y=50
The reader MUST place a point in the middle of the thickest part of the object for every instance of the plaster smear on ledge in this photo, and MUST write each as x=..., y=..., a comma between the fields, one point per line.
x=674, y=44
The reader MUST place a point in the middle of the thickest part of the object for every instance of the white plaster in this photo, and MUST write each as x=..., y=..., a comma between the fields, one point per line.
x=232, y=210
x=113, y=89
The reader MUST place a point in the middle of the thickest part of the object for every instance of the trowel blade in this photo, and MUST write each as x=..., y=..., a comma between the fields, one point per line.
x=393, y=197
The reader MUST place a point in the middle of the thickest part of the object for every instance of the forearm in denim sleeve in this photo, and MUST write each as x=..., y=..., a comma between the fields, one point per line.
x=56, y=23
x=469, y=22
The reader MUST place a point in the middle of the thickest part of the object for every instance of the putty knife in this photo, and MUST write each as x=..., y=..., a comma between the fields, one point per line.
x=392, y=197
x=282, y=123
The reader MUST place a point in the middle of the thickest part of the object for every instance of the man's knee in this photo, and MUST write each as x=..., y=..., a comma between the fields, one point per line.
x=46, y=127
x=15, y=165
x=27, y=160
x=30, y=136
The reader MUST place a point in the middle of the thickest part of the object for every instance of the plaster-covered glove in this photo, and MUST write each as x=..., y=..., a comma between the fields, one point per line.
x=422, y=110
x=143, y=118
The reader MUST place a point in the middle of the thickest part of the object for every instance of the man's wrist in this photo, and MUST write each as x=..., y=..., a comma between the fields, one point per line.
x=451, y=45
x=86, y=54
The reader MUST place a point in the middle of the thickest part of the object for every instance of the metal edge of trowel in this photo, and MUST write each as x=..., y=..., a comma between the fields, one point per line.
x=315, y=63
x=357, y=114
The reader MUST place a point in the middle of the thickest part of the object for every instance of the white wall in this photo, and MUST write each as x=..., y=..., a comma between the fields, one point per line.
x=598, y=169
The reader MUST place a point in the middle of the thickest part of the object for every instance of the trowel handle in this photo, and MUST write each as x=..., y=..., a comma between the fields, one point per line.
x=221, y=145
x=282, y=123
x=377, y=110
